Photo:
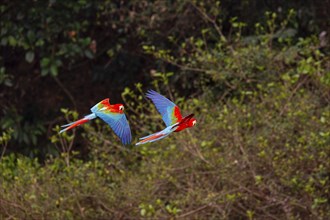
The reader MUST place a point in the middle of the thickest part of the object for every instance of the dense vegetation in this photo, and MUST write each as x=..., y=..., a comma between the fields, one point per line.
x=256, y=76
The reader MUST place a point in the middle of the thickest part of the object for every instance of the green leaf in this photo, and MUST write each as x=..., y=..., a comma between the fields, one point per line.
x=53, y=69
x=89, y=54
x=45, y=62
x=29, y=56
x=31, y=36
x=44, y=71
x=12, y=41
x=143, y=212
x=40, y=43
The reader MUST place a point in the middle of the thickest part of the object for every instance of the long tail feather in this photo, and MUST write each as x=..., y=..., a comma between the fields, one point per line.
x=77, y=123
x=157, y=136
x=151, y=138
x=67, y=125
x=147, y=136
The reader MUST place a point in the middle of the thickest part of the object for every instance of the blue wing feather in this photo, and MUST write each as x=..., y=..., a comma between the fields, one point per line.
x=164, y=106
x=119, y=124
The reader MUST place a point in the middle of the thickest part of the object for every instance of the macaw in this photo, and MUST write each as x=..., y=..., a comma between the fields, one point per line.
x=113, y=115
x=171, y=116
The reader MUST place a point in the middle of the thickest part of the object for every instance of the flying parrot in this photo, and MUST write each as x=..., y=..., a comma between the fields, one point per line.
x=171, y=116
x=113, y=115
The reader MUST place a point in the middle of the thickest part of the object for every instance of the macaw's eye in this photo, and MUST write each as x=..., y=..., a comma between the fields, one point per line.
x=121, y=108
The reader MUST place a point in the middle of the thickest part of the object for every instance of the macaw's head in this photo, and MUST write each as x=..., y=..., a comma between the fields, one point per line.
x=119, y=108
x=186, y=122
x=192, y=122
x=189, y=121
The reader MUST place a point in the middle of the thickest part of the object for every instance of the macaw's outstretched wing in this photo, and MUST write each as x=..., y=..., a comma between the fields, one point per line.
x=119, y=124
x=157, y=136
x=101, y=105
x=170, y=112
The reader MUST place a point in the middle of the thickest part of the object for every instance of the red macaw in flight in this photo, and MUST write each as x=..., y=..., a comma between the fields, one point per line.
x=171, y=116
x=113, y=115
